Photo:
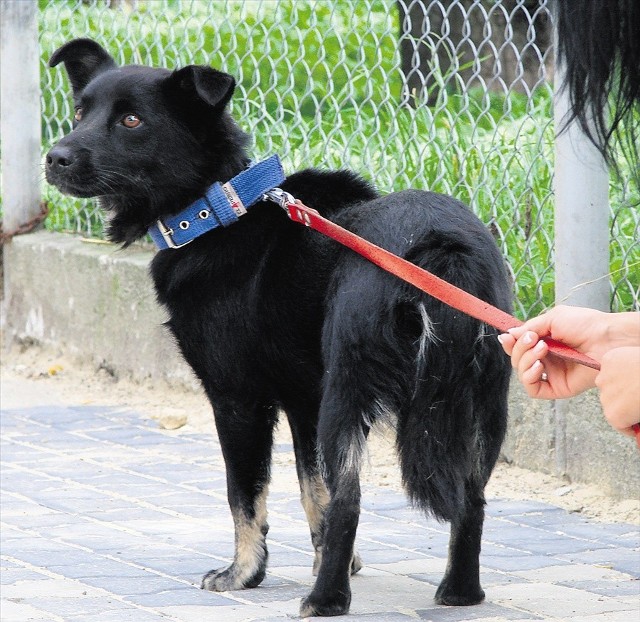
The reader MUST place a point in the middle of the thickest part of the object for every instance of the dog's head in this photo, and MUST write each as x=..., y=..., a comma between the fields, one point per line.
x=146, y=141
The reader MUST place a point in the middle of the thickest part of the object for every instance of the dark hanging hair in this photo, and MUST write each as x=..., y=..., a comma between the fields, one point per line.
x=599, y=45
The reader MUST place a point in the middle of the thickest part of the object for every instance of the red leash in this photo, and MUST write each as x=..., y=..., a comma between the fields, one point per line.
x=431, y=284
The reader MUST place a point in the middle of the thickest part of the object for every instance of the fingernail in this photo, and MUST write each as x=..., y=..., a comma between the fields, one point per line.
x=539, y=346
x=501, y=339
x=528, y=338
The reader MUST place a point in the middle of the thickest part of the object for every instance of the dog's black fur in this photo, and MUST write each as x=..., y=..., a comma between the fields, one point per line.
x=273, y=316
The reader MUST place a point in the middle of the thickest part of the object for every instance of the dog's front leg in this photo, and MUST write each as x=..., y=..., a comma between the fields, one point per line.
x=313, y=492
x=246, y=438
x=340, y=441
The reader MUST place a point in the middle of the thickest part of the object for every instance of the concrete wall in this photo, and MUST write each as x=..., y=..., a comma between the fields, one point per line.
x=95, y=300
x=97, y=303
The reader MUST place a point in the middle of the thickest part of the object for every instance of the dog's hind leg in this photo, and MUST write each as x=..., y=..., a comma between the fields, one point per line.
x=440, y=474
x=246, y=439
x=461, y=582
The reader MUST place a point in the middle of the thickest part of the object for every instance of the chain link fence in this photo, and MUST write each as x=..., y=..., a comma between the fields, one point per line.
x=451, y=96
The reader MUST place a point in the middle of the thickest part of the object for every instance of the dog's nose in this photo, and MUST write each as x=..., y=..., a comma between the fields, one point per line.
x=60, y=157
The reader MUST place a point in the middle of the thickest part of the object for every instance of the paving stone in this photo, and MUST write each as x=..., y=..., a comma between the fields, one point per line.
x=15, y=575
x=191, y=596
x=625, y=587
x=146, y=583
x=125, y=614
x=20, y=611
x=508, y=559
x=557, y=601
x=630, y=615
x=623, y=560
x=484, y=611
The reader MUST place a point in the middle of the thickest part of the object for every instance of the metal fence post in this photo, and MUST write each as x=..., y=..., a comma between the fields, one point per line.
x=20, y=118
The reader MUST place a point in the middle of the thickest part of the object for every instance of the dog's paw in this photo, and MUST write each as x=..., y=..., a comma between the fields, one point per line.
x=455, y=595
x=231, y=578
x=317, y=605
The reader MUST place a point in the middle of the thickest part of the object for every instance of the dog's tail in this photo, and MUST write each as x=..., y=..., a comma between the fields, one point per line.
x=450, y=431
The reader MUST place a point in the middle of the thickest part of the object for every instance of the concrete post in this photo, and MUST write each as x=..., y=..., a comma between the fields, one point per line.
x=20, y=116
x=581, y=186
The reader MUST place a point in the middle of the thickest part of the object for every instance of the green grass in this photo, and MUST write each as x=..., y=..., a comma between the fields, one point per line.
x=336, y=105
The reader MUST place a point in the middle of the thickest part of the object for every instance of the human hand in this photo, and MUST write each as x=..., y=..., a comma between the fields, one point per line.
x=586, y=330
x=543, y=376
x=582, y=329
x=619, y=385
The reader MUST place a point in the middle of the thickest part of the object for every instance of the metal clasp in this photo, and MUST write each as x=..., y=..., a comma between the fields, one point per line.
x=279, y=196
x=166, y=233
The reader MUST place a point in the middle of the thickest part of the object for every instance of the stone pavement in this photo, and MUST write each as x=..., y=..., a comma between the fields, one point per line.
x=106, y=518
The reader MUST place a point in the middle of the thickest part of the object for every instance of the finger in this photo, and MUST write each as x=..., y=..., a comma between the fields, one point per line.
x=534, y=374
x=507, y=342
x=540, y=324
x=534, y=381
x=531, y=356
x=521, y=347
x=517, y=332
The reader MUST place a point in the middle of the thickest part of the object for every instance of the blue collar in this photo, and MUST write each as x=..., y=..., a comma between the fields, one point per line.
x=221, y=205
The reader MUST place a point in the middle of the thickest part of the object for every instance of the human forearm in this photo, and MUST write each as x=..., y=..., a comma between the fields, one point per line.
x=622, y=330
x=619, y=385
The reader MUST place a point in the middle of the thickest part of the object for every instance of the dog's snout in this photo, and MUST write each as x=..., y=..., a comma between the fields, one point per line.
x=60, y=157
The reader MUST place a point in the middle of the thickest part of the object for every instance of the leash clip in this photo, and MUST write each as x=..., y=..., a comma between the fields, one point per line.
x=279, y=196
x=296, y=210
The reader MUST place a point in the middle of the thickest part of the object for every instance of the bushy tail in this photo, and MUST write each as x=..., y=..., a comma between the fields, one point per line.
x=451, y=428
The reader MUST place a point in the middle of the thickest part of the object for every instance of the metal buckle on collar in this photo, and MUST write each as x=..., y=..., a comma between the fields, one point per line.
x=166, y=233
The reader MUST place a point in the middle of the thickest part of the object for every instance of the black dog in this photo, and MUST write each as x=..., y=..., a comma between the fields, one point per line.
x=274, y=317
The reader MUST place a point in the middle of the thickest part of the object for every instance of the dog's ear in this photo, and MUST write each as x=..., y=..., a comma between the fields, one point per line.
x=213, y=87
x=83, y=59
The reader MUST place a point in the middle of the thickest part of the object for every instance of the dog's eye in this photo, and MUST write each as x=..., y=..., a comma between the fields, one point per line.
x=131, y=121
x=78, y=114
